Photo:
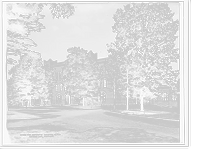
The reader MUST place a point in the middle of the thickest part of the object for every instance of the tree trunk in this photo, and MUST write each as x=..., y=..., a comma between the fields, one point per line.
x=127, y=99
x=114, y=95
x=141, y=103
x=83, y=101
x=136, y=101
x=127, y=89
x=30, y=102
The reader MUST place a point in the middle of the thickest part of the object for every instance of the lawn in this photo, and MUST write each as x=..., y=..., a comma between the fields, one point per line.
x=149, y=110
x=69, y=125
x=45, y=135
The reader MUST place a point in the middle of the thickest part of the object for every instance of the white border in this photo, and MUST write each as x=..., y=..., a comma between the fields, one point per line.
x=184, y=93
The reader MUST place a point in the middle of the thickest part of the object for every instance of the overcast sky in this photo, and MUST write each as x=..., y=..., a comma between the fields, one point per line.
x=90, y=28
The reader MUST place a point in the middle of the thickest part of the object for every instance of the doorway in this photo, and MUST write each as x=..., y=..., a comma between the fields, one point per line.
x=67, y=99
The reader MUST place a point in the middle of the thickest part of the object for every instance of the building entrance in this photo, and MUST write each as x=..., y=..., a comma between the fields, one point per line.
x=67, y=99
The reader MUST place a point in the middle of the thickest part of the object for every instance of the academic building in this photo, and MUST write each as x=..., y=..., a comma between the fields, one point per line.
x=60, y=97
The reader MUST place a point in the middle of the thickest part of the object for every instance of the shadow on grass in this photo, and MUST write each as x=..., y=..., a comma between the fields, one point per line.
x=105, y=135
x=147, y=112
x=16, y=115
x=161, y=113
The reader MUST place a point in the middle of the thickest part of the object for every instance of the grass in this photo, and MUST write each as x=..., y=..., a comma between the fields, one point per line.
x=28, y=114
x=154, y=114
x=166, y=123
x=150, y=111
x=69, y=125
x=108, y=135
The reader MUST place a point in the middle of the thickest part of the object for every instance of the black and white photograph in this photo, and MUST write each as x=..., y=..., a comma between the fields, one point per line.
x=95, y=74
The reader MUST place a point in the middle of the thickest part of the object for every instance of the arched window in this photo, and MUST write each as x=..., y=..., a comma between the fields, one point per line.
x=104, y=83
x=102, y=97
x=60, y=87
x=67, y=99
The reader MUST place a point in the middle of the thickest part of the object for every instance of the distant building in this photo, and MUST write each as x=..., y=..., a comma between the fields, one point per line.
x=169, y=98
x=61, y=97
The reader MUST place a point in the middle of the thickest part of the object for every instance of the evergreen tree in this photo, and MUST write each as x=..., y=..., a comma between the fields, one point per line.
x=81, y=78
x=145, y=37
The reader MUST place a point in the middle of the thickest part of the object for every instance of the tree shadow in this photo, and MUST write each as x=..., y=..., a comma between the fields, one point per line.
x=107, y=135
x=17, y=115
x=163, y=113
x=147, y=112
x=129, y=135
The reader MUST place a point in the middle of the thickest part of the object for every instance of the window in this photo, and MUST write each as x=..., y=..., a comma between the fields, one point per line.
x=56, y=87
x=56, y=75
x=60, y=75
x=165, y=97
x=102, y=97
x=60, y=87
x=99, y=83
x=59, y=97
x=104, y=83
x=173, y=96
x=106, y=71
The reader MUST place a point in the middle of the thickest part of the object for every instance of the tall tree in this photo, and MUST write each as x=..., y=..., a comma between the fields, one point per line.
x=116, y=68
x=24, y=18
x=10, y=92
x=146, y=34
x=20, y=20
x=81, y=78
x=28, y=81
x=61, y=9
x=112, y=73
x=46, y=85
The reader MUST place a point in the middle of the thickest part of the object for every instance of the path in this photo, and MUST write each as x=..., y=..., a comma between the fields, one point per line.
x=82, y=120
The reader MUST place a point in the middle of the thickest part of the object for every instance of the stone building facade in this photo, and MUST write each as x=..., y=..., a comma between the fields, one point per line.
x=60, y=97
x=169, y=99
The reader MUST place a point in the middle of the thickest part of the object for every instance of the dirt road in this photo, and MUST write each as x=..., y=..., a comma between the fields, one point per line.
x=82, y=120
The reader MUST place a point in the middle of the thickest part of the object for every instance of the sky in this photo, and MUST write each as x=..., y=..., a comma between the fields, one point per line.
x=89, y=28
